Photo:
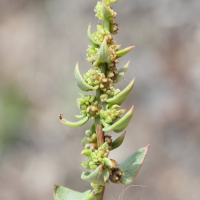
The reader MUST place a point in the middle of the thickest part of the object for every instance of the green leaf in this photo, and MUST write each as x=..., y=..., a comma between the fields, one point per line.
x=122, y=72
x=62, y=193
x=81, y=82
x=123, y=52
x=116, y=143
x=122, y=123
x=87, y=152
x=96, y=176
x=91, y=39
x=103, y=56
x=106, y=174
x=73, y=124
x=80, y=116
x=122, y=96
x=108, y=163
x=92, y=128
x=85, y=165
x=83, y=141
x=106, y=10
x=131, y=166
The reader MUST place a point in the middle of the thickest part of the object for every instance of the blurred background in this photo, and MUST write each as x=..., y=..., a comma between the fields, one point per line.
x=40, y=43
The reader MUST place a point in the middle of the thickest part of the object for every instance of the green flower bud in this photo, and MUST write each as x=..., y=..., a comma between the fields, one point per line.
x=91, y=146
x=93, y=111
x=104, y=97
x=92, y=139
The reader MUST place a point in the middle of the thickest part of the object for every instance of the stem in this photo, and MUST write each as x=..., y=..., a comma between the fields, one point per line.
x=99, y=132
x=106, y=24
x=100, y=195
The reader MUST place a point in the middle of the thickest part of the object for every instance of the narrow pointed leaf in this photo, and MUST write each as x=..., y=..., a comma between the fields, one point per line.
x=85, y=165
x=62, y=193
x=80, y=116
x=81, y=82
x=108, y=163
x=116, y=143
x=92, y=128
x=107, y=13
x=91, y=39
x=131, y=166
x=103, y=56
x=122, y=72
x=122, y=96
x=106, y=174
x=123, y=52
x=86, y=152
x=83, y=141
x=121, y=124
x=96, y=176
x=73, y=124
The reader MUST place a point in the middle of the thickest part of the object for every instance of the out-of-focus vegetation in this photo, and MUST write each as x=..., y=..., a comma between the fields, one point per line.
x=13, y=118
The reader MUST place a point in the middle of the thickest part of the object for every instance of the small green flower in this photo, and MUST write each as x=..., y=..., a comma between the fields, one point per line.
x=88, y=105
x=110, y=115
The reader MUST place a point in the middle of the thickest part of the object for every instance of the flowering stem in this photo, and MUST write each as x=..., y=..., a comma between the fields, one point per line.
x=99, y=127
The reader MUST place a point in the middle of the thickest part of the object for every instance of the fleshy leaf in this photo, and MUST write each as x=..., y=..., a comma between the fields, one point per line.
x=86, y=152
x=73, y=124
x=123, y=52
x=131, y=166
x=122, y=72
x=117, y=142
x=91, y=39
x=122, y=96
x=81, y=82
x=122, y=123
x=107, y=12
x=106, y=174
x=85, y=165
x=96, y=176
x=83, y=141
x=80, y=116
x=103, y=56
x=92, y=128
x=62, y=193
x=108, y=163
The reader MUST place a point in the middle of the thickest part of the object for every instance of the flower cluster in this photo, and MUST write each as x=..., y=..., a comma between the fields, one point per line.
x=95, y=77
x=88, y=105
x=110, y=115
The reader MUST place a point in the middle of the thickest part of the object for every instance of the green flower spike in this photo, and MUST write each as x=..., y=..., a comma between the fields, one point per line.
x=104, y=108
x=123, y=51
x=121, y=73
x=73, y=124
x=122, y=96
x=81, y=82
x=121, y=124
